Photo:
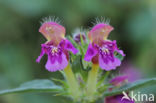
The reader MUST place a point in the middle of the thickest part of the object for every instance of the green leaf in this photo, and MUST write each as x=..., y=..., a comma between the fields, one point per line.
x=81, y=38
x=102, y=79
x=132, y=86
x=43, y=85
x=65, y=85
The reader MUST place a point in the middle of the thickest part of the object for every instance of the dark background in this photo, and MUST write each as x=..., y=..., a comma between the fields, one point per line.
x=135, y=31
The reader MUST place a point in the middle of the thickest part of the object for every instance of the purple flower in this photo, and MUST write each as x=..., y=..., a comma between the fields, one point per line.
x=56, y=47
x=130, y=74
x=119, y=80
x=77, y=38
x=100, y=50
x=130, y=71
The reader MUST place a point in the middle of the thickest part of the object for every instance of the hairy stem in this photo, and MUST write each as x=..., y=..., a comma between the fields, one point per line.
x=72, y=82
x=92, y=80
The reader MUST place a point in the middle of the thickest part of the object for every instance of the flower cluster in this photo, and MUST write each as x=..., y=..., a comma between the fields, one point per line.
x=100, y=50
x=101, y=53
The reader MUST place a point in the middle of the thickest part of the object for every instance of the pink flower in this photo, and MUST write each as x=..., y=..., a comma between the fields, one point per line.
x=56, y=48
x=131, y=71
x=100, y=50
x=130, y=75
x=119, y=80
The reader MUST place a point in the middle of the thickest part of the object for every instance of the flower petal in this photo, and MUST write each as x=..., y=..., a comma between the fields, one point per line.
x=110, y=64
x=117, y=49
x=69, y=46
x=59, y=63
x=52, y=31
x=100, y=32
x=121, y=52
x=118, y=80
x=41, y=55
x=91, y=52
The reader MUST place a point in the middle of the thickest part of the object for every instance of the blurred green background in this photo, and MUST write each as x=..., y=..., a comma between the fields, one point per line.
x=135, y=31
